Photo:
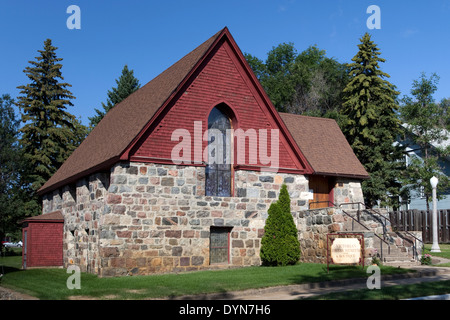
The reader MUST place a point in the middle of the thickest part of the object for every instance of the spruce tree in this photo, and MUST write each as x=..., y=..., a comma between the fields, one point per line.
x=371, y=125
x=279, y=244
x=47, y=137
x=126, y=85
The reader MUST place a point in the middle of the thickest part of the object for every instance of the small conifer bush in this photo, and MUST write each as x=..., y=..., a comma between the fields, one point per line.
x=279, y=244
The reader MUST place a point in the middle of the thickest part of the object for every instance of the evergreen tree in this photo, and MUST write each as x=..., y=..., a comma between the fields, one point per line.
x=48, y=133
x=280, y=245
x=10, y=161
x=126, y=85
x=371, y=125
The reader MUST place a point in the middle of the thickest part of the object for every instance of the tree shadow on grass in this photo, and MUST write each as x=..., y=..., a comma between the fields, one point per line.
x=332, y=273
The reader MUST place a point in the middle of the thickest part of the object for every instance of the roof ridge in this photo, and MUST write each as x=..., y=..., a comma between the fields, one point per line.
x=306, y=116
x=92, y=154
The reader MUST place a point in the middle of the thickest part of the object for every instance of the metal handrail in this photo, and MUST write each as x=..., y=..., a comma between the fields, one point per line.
x=415, y=253
x=372, y=211
x=363, y=225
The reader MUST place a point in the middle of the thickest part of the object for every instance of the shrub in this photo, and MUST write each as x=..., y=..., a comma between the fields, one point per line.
x=279, y=244
x=425, y=259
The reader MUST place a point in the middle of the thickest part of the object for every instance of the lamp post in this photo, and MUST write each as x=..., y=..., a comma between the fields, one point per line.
x=435, y=247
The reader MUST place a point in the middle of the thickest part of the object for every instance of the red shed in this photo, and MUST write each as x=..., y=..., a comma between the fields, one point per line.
x=43, y=240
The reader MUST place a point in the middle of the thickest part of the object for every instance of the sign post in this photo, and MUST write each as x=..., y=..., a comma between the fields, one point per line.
x=345, y=248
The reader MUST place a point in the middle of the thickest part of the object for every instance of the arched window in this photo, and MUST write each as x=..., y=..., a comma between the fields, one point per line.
x=218, y=167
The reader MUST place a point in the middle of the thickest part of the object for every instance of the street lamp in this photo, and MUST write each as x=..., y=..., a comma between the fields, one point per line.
x=435, y=247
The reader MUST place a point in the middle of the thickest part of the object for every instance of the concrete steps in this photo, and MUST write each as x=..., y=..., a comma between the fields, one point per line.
x=398, y=253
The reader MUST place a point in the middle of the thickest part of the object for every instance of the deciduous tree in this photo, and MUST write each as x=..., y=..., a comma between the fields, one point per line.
x=426, y=122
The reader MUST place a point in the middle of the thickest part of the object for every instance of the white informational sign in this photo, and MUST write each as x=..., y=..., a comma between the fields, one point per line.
x=346, y=251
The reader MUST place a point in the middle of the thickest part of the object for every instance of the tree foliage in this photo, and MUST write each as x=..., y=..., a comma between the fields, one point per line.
x=126, y=85
x=305, y=83
x=371, y=125
x=9, y=161
x=50, y=133
x=280, y=245
x=426, y=122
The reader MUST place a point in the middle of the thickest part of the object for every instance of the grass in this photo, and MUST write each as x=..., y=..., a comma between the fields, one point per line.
x=401, y=291
x=390, y=293
x=50, y=284
x=445, y=252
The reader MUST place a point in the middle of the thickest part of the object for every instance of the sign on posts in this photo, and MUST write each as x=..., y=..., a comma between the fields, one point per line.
x=345, y=249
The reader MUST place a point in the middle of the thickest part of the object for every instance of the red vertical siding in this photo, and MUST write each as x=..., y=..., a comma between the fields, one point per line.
x=44, y=244
x=222, y=79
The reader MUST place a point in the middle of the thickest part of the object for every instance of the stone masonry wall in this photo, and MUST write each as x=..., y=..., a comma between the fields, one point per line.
x=158, y=218
x=149, y=218
x=82, y=205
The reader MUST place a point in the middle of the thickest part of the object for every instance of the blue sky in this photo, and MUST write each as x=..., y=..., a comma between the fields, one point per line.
x=149, y=36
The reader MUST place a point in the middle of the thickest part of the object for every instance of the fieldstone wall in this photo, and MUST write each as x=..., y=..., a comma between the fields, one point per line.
x=348, y=191
x=82, y=205
x=158, y=219
x=314, y=226
x=151, y=218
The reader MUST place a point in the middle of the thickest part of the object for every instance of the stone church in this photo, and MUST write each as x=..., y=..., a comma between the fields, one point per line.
x=180, y=175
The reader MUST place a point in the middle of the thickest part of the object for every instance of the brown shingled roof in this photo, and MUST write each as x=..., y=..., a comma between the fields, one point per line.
x=106, y=143
x=324, y=145
x=320, y=140
x=51, y=216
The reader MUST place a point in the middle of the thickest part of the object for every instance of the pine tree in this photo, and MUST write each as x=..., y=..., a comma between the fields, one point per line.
x=280, y=245
x=48, y=132
x=126, y=85
x=371, y=125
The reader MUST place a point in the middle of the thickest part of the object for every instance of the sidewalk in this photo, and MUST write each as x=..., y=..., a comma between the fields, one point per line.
x=423, y=274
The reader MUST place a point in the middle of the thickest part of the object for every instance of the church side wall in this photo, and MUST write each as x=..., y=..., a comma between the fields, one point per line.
x=142, y=218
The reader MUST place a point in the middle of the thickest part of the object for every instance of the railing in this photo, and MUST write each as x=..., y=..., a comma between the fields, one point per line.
x=377, y=214
x=358, y=221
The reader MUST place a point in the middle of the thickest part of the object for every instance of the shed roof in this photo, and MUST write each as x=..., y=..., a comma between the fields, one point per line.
x=55, y=216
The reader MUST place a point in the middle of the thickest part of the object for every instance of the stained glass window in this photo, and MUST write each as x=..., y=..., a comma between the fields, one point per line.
x=218, y=168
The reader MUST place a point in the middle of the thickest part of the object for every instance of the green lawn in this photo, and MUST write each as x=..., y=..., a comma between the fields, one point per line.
x=390, y=293
x=399, y=292
x=445, y=250
x=50, y=284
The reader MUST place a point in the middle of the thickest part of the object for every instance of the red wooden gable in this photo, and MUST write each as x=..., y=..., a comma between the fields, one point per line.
x=221, y=77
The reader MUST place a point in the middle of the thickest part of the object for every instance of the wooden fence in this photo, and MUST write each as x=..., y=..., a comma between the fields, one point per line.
x=421, y=220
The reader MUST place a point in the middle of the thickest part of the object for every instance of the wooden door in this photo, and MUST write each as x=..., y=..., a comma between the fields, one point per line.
x=323, y=192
